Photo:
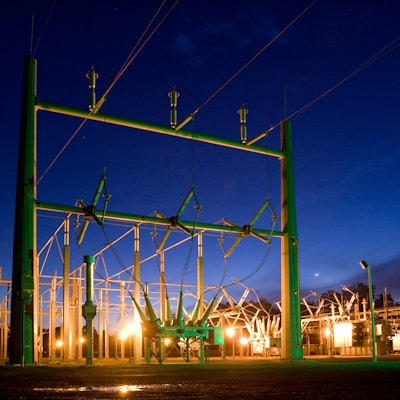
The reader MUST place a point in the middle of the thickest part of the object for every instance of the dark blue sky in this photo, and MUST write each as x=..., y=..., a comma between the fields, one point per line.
x=346, y=145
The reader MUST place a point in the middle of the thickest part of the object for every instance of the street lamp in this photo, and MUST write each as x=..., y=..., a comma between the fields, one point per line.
x=366, y=266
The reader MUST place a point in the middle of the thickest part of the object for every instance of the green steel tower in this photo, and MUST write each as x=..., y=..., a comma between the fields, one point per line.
x=292, y=348
x=21, y=350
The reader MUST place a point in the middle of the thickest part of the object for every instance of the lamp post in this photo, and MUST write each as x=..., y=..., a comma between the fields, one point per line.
x=366, y=266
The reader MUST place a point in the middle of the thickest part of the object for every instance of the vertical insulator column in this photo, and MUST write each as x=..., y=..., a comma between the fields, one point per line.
x=89, y=309
x=163, y=305
x=52, y=319
x=100, y=324
x=92, y=76
x=67, y=331
x=200, y=272
x=107, y=323
x=137, y=350
x=173, y=95
x=79, y=313
x=243, y=130
x=122, y=306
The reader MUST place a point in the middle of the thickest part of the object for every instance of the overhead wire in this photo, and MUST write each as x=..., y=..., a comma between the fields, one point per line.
x=130, y=59
x=244, y=66
x=376, y=57
x=275, y=220
x=135, y=50
x=43, y=30
x=117, y=257
x=263, y=260
x=383, y=52
x=132, y=55
x=61, y=151
x=189, y=255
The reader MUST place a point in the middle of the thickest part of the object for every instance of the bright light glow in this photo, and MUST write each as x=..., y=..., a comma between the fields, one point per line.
x=123, y=389
x=342, y=334
x=133, y=328
x=243, y=341
x=167, y=341
x=81, y=340
x=230, y=332
x=327, y=332
x=396, y=343
x=123, y=334
x=59, y=343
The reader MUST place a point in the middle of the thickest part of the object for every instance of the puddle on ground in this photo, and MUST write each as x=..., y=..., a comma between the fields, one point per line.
x=119, y=389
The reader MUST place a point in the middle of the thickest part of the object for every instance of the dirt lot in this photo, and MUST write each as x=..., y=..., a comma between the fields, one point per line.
x=228, y=379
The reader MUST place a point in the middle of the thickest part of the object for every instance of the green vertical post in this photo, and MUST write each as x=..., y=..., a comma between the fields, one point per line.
x=291, y=341
x=372, y=310
x=365, y=265
x=89, y=309
x=24, y=253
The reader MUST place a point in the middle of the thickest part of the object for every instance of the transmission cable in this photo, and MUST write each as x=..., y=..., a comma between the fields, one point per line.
x=135, y=51
x=263, y=260
x=124, y=67
x=273, y=40
x=43, y=30
x=376, y=57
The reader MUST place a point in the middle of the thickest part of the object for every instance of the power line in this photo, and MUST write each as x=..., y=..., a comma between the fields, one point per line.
x=273, y=40
x=44, y=28
x=62, y=150
x=376, y=57
x=132, y=55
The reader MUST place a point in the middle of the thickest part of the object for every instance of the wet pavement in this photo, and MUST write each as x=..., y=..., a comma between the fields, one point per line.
x=220, y=379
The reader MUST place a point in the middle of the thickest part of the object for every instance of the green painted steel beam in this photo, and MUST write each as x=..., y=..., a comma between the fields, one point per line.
x=21, y=349
x=146, y=126
x=291, y=342
x=116, y=216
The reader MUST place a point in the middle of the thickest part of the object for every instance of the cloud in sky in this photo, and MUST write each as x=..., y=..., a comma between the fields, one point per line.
x=205, y=41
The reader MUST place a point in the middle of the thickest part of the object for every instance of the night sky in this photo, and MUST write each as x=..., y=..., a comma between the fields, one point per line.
x=346, y=145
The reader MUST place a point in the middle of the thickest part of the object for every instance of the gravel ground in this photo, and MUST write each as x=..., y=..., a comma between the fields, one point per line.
x=227, y=379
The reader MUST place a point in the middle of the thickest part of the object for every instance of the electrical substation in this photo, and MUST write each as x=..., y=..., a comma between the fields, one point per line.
x=34, y=296
x=47, y=317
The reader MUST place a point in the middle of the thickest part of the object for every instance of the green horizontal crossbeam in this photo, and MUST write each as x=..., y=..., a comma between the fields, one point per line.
x=116, y=216
x=146, y=126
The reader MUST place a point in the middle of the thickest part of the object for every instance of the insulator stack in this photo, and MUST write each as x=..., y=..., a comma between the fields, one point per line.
x=243, y=130
x=92, y=76
x=173, y=95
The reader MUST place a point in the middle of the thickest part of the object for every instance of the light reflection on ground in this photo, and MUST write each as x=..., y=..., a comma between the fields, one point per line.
x=121, y=388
